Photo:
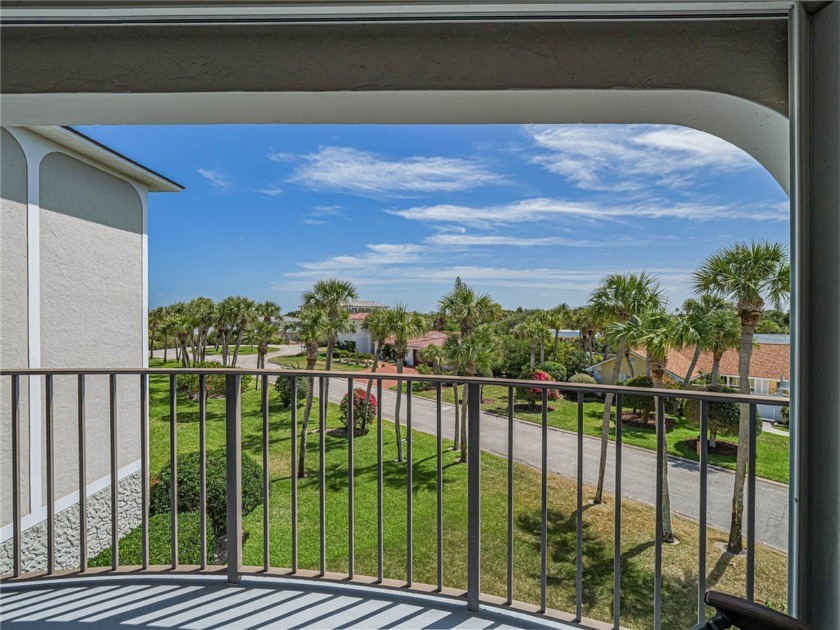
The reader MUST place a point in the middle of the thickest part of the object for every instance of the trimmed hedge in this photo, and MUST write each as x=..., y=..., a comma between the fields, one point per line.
x=160, y=542
x=215, y=383
x=188, y=487
x=645, y=404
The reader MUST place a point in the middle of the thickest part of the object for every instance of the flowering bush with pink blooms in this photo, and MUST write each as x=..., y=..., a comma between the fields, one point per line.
x=364, y=410
x=533, y=394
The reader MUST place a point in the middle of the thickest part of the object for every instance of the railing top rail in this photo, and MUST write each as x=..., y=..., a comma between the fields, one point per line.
x=769, y=400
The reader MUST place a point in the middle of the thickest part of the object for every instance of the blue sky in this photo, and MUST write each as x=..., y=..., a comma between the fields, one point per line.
x=535, y=214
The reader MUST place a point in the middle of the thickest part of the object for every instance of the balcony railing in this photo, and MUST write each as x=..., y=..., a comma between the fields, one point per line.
x=233, y=448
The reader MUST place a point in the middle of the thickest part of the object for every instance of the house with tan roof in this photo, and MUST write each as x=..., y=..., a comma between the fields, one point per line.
x=418, y=344
x=769, y=367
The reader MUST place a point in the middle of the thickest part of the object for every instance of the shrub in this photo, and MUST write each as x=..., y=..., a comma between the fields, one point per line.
x=215, y=383
x=425, y=368
x=188, y=487
x=532, y=394
x=724, y=417
x=556, y=370
x=571, y=356
x=646, y=405
x=283, y=387
x=580, y=377
x=160, y=542
x=785, y=420
x=364, y=410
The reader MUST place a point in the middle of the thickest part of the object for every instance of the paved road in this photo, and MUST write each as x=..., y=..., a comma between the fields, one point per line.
x=638, y=470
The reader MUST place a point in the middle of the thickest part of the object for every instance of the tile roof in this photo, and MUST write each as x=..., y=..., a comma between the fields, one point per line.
x=431, y=338
x=769, y=360
x=359, y=315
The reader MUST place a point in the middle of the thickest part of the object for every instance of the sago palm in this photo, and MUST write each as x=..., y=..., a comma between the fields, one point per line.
x=407, y=325
x=750, y=275
x=617, y=299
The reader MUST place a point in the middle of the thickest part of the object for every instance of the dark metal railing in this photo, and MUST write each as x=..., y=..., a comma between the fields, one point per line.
x=233, y=440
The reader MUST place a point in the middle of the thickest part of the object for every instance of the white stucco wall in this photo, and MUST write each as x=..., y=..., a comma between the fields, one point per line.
x=73, y=293
x=14, y=338
x=91, y=305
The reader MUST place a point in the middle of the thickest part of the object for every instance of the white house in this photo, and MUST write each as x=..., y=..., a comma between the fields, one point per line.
x=73, y=293
x=359, y=336
x=365, y=306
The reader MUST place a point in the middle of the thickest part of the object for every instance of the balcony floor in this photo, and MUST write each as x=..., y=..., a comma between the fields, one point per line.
x=257, y=602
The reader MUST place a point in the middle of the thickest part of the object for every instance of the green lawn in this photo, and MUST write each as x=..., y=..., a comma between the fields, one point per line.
x=771, y=456
x=321, y=364
x=680, y=561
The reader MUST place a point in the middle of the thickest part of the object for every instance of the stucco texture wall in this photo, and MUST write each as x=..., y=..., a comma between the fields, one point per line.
x=14, y=340
x=91, y=307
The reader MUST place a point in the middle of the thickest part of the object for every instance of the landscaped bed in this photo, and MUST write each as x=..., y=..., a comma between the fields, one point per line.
x=679, y=563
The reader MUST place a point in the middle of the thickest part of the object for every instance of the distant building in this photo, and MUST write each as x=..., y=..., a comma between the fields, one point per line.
x=360, y=337
x=418, y=344
x=364, y=306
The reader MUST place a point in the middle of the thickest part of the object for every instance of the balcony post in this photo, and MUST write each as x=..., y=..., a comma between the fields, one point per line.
x=815, y=314
x=474, y=492
x=233, y=446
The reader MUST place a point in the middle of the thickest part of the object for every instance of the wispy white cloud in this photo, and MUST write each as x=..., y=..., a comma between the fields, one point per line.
x=632, y=157
x=270, y=191
x=217, y=179
x=379, y=255
x=490, y=240
x=542, y=208
x=351, y=170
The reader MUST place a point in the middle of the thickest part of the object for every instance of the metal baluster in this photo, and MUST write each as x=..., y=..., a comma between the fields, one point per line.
x=82, y=477
x=115, y=476
x=322, y=479
x=173, y=465
x=751, y=507
x=16, y=564
x=579, y=537
x=409, y=488
x=510, y=499
x=704, y=477
x=294, y=477
x=439, y=459
x=233, y=486
x=202, y=465
x=660, y=462
x=144, y=471
x=266, y=478
x=474, y=498
x=544, y=500
x=50, y=475
x=351, y=517
x=380, y=552
x=617, y=529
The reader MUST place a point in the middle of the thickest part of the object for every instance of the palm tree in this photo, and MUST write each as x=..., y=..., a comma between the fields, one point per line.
x=407, y=325
x=204, y=311
x=156, y=317
x=225, y=320
x=693, y=329
x=312, y=329
x=332, y=297
x=472, y=355
x=183, y=326
x=724, y=333
x=750, y=275
x=268, y=310
x=617, y=299
x=584, y=320
x=556, y=318
x=263, y=332
x=467, y=309
x=166, y=327
x=535, y=331
x=379, y=324
x=244, y=315
x=657, y=333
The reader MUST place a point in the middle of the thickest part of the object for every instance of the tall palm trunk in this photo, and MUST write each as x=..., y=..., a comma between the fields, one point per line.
x=238, y=343
x=457, y=406
x=304, y=429
x=152, y=344
x=464, y=426
x=542, y=352
x=165, y=348
x=328, y=366
x=370, y=386
x=605, y=427
x=533, y=357
x=556, y=341
x=629, y=364
x=397, y=426
x=694, y=360
x=715, y=375
x=667, y=528
x=735, y=544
